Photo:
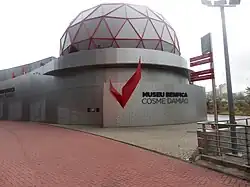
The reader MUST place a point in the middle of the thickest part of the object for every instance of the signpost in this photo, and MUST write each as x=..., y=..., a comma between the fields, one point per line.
x=206, y=47
x=205, y=58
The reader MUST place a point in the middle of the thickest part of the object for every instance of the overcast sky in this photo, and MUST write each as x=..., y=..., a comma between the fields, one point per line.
x=31, y=30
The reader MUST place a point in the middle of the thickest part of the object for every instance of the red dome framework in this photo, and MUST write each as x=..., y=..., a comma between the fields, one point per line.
x=119, y=26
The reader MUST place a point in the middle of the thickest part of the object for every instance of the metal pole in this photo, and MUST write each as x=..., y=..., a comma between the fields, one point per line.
x=229, y=84
x=215, y=101
x=216, y=125
x=214, y=93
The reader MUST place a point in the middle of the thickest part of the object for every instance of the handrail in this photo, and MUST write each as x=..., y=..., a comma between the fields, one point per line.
x=208, y=122
x=215, y=140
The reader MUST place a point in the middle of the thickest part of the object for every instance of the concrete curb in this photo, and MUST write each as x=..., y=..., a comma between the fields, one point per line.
x=211, y=167
x=147, y=149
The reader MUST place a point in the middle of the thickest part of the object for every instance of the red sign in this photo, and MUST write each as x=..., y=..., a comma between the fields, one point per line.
x=204, y=74
x=198, y=73
x=201, y=57
x=201, y=78
x=128, y=88
x=200, y=62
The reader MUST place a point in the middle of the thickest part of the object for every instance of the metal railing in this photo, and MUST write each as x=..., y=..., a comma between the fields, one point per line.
x=217, y=140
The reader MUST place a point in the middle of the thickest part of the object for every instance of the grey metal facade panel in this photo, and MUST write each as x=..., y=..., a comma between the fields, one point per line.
x=66, y=98
x=97, y=57
x=114, y=56
x=38, y=110
x=1, y=110
x=7, y=73
x=121, y=55
x=148, y=75
x=46, y=68
x=138, y=114
x=47, y=95
x=15, y=110
x=31, y=85
x=4, y=110
x=73, y=104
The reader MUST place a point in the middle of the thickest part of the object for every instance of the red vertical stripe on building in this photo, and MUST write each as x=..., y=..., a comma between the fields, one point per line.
x=13, y=75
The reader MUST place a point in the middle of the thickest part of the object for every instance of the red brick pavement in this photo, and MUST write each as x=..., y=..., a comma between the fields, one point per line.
x=40, y=155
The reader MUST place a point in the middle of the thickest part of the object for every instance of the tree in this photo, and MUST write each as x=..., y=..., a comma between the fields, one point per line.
x=239, y=96
x=241, y=101
x=247, y=92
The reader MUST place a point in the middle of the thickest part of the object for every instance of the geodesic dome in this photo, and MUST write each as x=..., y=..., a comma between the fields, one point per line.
x=119, y=26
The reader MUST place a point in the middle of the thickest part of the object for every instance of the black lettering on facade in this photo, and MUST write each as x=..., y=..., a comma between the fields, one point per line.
x=176, y=94
x=177, y=100
x=164, y=98
x=8, y=92
x=153, y=94
x=164, y=94
x=154, y=101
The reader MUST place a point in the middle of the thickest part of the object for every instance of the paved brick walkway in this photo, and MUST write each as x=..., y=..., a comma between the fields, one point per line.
x=40, y=155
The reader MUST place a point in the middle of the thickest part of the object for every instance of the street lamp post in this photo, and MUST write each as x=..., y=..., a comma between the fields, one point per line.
x=222, y=4
x=229, y=84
